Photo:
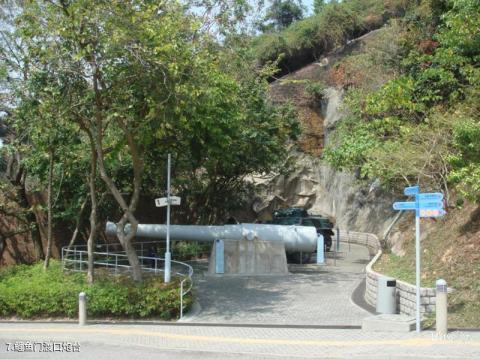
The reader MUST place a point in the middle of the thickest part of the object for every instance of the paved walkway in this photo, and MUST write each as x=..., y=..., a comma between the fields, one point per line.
x=310, y=294
x=169, y=341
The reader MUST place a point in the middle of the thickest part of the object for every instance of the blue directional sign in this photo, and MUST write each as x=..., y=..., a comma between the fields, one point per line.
x=425, y=205
x=401, y=206
x=410, y=191
x=430, y=205
x=430, y=196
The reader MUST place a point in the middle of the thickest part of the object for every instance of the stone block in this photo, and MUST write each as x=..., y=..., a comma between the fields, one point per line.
x=389, y=323
x=255, y=257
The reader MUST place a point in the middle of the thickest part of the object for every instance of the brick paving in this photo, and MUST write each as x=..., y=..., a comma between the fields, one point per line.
x=309, y=295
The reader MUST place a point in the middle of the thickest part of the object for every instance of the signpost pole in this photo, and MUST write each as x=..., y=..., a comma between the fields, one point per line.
x=168, y=255
x=417, y=261
x=425, y=205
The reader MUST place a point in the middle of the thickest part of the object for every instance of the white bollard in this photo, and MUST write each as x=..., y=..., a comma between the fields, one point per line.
x=441, y=308
x=82, y=308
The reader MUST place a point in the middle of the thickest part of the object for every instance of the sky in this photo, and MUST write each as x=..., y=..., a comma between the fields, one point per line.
x=308, y=5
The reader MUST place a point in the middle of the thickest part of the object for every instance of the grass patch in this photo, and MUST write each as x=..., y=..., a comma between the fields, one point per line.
x=30, y=292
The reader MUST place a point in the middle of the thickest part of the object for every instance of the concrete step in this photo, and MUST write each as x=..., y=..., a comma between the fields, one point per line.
x=389, y=323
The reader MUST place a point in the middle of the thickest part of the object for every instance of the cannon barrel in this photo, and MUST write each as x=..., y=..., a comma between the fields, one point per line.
x=295, y=238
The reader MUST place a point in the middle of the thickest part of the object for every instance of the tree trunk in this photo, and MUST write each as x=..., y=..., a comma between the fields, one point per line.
x=93, y=216
x=126, y=242
x=76, y=232
x=95, y=132
x=133, y=260
x=49, y=213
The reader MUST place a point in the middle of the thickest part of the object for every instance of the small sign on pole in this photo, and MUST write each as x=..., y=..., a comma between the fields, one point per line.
x=425, y=205
x=163, y=201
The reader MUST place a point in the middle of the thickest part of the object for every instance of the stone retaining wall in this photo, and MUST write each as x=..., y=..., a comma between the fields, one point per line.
x=405, y=292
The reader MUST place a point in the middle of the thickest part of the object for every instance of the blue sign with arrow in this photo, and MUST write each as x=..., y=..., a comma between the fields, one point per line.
x=410, y=191
x=430, y=205
x=430, y=196
x=404, y=205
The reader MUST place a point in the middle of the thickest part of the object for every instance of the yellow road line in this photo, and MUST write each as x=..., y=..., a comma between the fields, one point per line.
x=412, y=342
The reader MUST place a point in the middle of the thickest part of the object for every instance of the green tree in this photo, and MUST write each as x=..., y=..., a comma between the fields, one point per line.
x=282, y=13
x=138, y=80
x=318, y=6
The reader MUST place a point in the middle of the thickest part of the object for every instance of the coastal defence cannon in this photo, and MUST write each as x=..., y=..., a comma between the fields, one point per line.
x=248, y=249
x=295, y=238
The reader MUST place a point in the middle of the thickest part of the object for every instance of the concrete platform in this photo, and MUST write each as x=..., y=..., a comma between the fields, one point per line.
x=251, y=258
x=389, y=323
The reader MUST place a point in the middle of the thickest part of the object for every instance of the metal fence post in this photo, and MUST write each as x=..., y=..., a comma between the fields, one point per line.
x=181, y=299
x=74, y=257
x=81, y=264
x=338, y=239
x=335, y=251
x=116, y=264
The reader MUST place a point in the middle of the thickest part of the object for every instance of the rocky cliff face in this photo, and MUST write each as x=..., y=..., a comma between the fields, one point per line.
x=313, y=184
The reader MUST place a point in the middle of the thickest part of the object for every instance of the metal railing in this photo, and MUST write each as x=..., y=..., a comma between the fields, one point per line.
x=75, y=259
x=368, y=240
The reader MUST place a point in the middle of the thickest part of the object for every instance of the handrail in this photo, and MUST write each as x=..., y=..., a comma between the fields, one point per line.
x=102, y=259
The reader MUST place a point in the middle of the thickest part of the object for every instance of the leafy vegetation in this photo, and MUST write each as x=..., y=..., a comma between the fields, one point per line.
x=281, y=14
x=337, y=22
x=30, y=292
x=421, y=125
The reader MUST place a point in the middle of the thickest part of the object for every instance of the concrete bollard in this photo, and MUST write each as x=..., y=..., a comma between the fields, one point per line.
x=441, y=308
x=82, y=308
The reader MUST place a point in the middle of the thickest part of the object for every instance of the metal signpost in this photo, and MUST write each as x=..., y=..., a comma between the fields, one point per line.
x=162, y=202
x=425, y=205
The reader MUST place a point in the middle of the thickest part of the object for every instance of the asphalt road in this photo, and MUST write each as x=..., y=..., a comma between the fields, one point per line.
x=171, y=341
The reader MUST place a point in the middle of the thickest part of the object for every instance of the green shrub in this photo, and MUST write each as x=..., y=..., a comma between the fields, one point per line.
x=315, y=90
x=29, y=292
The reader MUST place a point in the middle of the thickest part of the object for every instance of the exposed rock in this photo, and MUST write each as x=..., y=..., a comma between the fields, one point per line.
x=313, y=184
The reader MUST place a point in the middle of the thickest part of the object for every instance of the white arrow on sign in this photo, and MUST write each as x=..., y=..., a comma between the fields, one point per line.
x=162, y=202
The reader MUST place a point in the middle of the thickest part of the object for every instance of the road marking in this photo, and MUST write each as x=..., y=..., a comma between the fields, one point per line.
x=412, y=342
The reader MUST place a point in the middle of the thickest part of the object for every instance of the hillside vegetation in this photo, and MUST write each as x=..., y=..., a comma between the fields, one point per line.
x=422, y=125
x=308, y=39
